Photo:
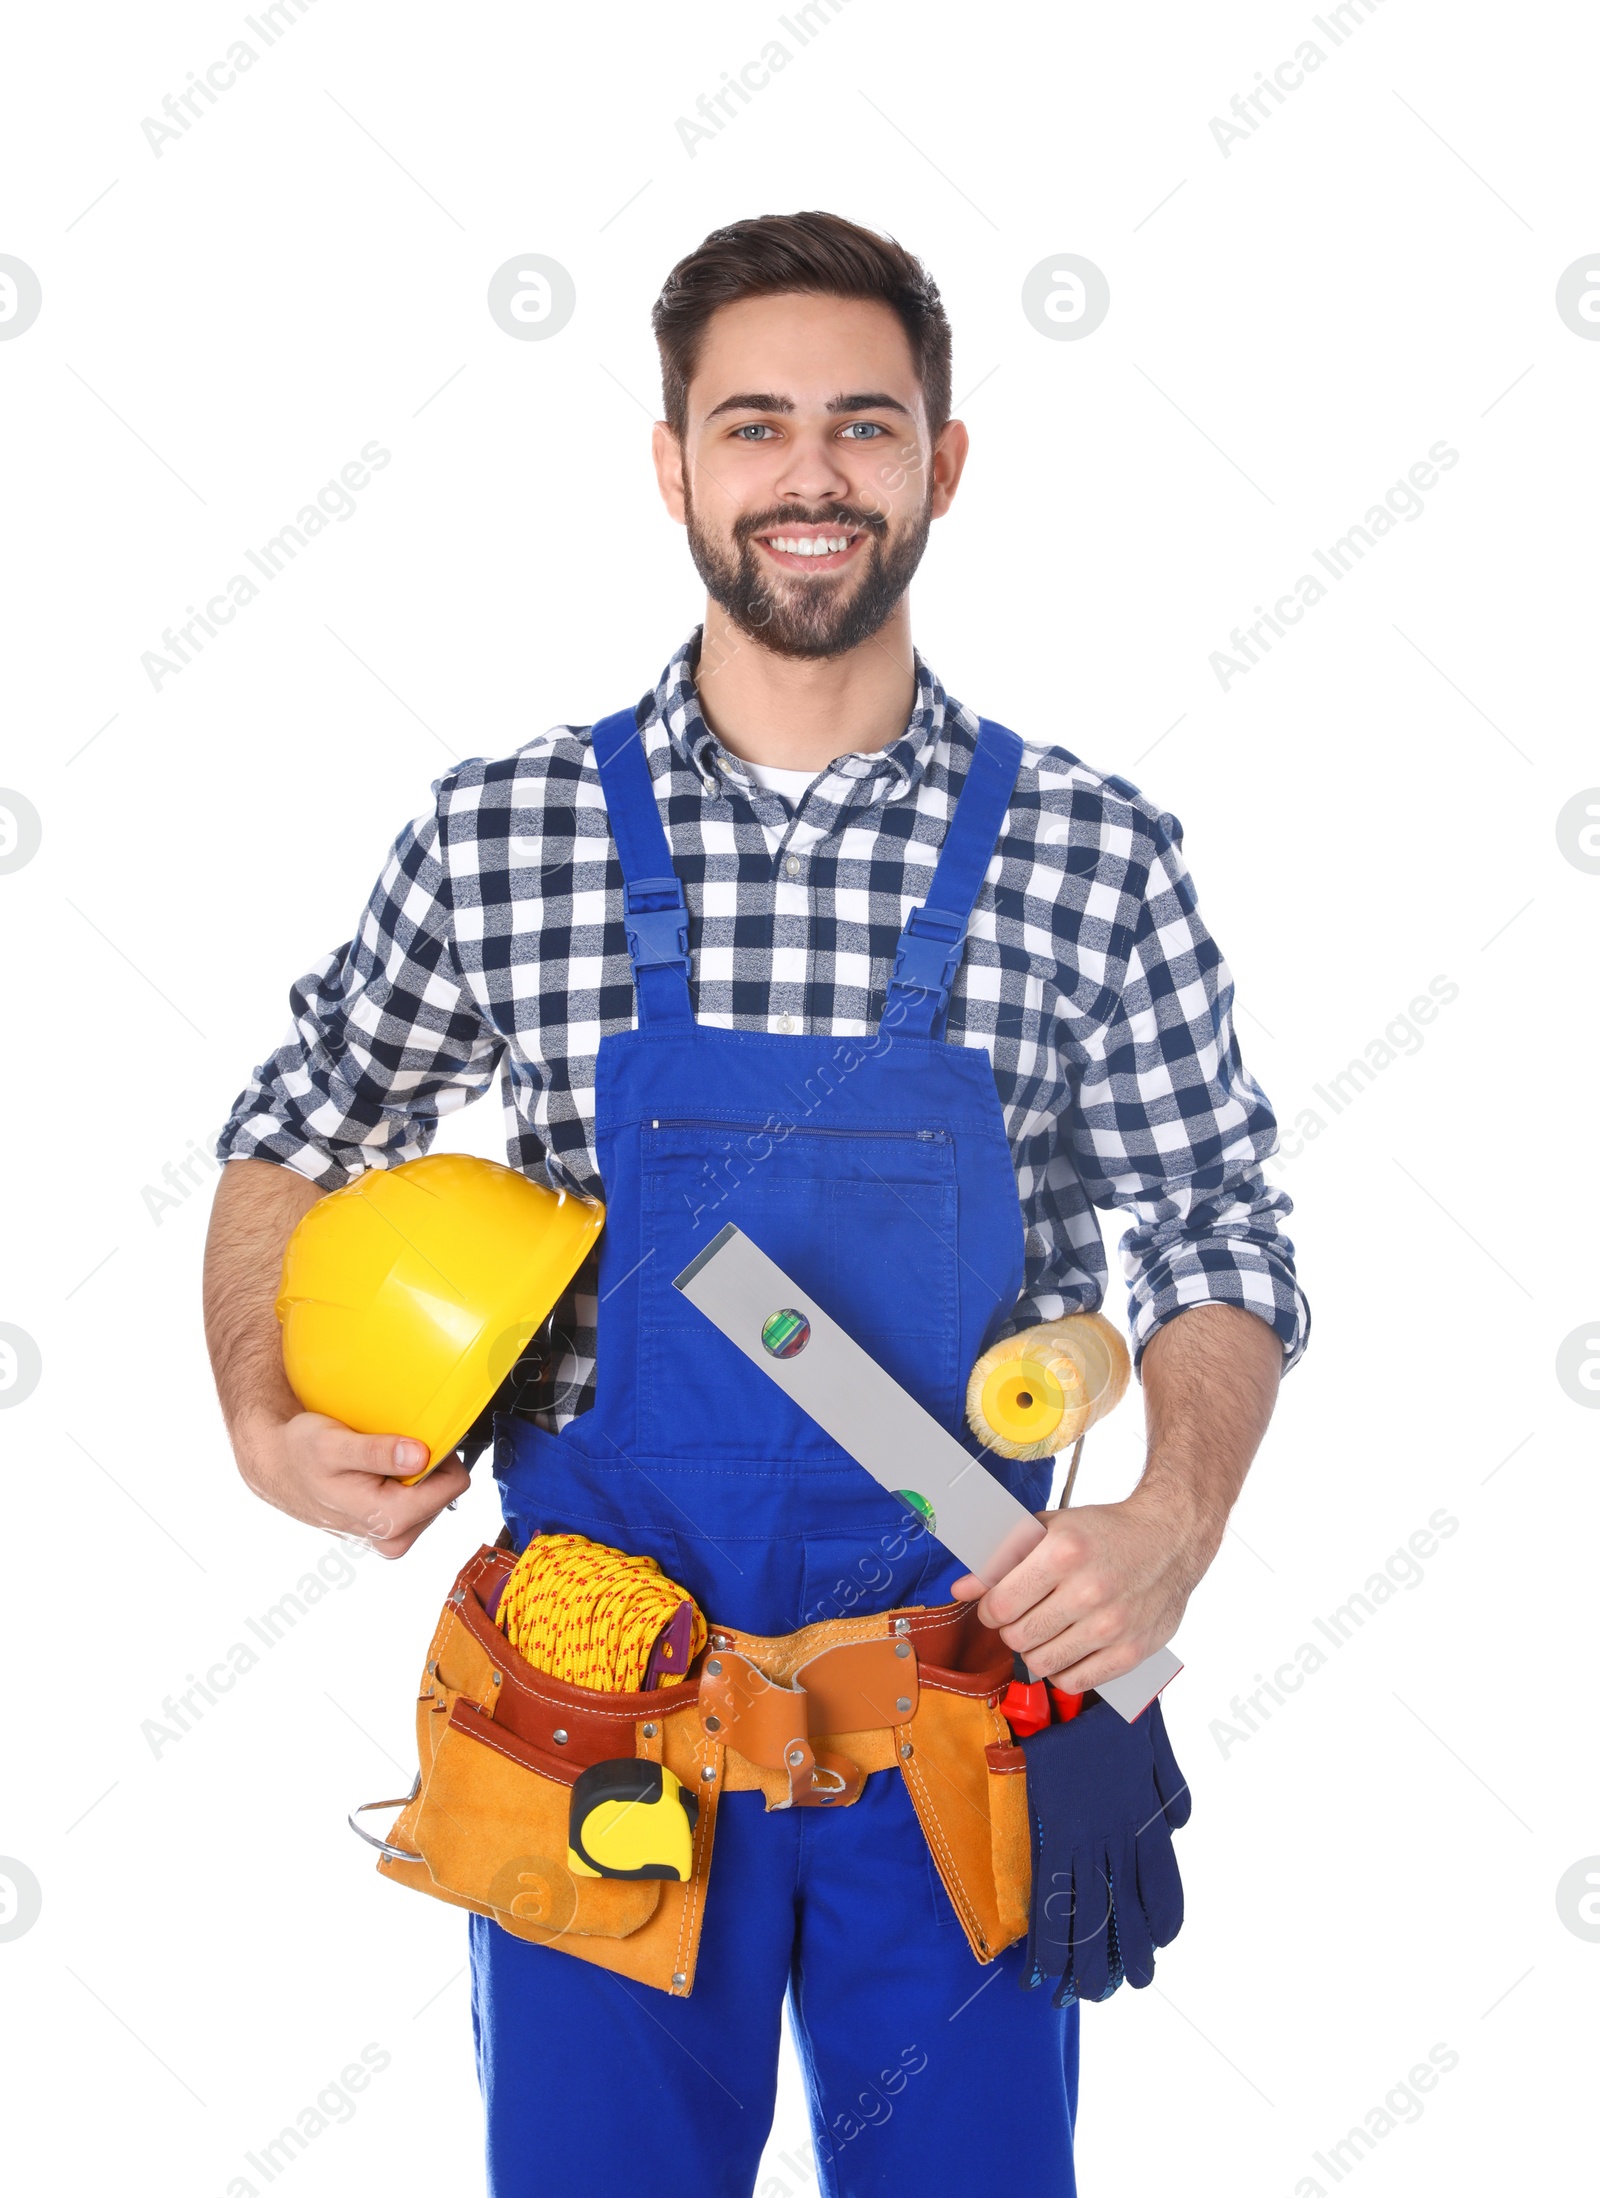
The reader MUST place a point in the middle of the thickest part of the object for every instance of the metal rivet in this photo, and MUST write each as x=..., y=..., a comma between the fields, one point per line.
x=714, y=1669
x=903, y=1703
x=494, y=1678
x=433, y=1667
x=649, y=1731
x=713, y=1724
x=679, y=1979
x=905, y=1747
x=902, y=1648
x=797, y=1755
x=458, y=1597
x=902, y=1625
x=708, y=1772
x=719, y=1640
x=559, y=1737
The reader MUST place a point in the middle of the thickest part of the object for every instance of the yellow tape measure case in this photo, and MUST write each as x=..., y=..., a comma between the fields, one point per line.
x=631, y=1818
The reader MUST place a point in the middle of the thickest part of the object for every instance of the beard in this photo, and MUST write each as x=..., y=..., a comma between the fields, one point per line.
x=809, y=617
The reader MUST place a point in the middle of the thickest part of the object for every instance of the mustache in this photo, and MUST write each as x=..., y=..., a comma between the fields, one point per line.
x=795, y=515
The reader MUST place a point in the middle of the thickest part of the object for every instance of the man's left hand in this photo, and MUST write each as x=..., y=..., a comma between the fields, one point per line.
x=1106, y=1588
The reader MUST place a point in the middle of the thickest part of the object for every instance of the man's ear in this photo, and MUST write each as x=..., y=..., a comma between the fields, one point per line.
x=667, y=452
x=949, y=458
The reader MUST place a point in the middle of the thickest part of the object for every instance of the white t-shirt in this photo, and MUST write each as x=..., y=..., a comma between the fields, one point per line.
x=791, y=784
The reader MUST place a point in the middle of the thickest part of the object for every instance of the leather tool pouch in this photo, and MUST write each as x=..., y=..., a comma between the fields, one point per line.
x=803, y=1717
x=806, y=1715
x=499, y=1745
x=969, y=1788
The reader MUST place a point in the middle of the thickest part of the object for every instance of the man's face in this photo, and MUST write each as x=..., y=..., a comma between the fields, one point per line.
x=807, y=478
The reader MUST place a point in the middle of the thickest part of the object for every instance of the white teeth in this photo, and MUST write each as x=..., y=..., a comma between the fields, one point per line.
x=806, y=545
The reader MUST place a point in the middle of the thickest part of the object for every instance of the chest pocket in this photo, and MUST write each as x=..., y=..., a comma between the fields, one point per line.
x=864, y=1221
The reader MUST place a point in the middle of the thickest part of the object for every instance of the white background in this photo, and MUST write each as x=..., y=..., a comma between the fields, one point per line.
x=1292, y=326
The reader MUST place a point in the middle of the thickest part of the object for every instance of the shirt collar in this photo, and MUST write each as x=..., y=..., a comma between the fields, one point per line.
x=883, y=774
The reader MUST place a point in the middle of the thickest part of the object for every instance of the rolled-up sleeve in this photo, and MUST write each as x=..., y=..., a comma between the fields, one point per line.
x=1170, y=1126
x=385, y=1038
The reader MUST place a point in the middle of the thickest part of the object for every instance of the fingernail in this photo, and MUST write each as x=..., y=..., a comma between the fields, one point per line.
x=408, y=1456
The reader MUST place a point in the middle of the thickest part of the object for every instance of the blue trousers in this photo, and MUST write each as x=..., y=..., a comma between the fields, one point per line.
x=926, y=2073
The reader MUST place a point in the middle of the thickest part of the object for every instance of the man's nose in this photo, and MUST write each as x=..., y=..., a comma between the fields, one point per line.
x=812, y=474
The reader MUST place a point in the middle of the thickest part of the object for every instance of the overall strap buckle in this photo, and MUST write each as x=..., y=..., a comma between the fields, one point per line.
x=656, y=920
x=929, y=951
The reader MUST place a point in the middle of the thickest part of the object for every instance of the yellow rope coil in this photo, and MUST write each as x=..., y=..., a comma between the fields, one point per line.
x=588, y=1614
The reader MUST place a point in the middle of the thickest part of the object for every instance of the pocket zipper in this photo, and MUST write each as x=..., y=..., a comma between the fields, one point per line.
x=760, y=1129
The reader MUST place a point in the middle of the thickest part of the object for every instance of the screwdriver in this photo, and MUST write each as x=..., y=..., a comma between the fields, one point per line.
x=1028, y=1703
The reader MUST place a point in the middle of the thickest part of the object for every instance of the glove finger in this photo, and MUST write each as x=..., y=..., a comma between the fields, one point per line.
x=1133, y=1927
x=1091, y=1924
x=1116, y=1975
x=1049, y=1920
x=1033, y=1969
x=1171, y=1785
x=1160, y=1887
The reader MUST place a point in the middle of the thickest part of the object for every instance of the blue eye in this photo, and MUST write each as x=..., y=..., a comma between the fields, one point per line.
x=752, y=428
x=865, y=428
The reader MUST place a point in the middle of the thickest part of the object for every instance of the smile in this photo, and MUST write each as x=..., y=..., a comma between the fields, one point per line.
x=812, y=549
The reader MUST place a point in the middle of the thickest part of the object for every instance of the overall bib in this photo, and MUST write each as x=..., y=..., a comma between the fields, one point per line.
x=876, y=1171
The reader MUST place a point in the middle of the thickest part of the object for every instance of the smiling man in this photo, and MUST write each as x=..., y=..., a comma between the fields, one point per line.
x=801, y=942
x=875, y=518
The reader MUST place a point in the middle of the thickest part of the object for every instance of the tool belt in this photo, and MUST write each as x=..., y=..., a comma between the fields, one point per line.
x=804, y=1717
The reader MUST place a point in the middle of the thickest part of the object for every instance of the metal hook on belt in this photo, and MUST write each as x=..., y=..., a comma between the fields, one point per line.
x=393, y=1854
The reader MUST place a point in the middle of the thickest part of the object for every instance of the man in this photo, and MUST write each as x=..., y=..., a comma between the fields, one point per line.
x=929, y=1127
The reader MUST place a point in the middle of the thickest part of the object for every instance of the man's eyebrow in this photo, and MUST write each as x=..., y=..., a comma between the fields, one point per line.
x=871, y=400
x=764, y=400
x=760, y=400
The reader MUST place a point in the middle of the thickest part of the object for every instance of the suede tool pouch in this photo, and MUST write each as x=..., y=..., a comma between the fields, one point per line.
x=949, y=1741
x=499, y=1745
x=961, y=1772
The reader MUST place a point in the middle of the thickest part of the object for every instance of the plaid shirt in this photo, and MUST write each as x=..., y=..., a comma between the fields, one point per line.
x=494, y=940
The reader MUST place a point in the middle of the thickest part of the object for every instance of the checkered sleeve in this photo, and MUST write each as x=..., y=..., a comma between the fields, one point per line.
x=386, y=1036
x=1171, y=1126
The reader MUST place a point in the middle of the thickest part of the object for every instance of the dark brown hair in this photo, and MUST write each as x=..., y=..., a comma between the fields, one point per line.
x=819, y=254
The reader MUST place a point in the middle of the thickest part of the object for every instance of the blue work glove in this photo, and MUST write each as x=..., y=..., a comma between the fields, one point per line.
x=1104, y=1798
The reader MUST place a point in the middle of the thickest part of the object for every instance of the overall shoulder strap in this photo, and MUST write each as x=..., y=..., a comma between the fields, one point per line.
x=930, y=946
x=654, y=913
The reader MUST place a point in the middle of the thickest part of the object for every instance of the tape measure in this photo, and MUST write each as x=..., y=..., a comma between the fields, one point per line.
x=631, y=1818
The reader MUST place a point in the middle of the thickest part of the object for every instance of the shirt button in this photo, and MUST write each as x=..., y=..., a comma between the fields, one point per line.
x=791, y=866
x=785, y=1026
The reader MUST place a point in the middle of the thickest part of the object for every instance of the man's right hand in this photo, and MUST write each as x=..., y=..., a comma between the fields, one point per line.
x=317, y=1469
x=305, y=1463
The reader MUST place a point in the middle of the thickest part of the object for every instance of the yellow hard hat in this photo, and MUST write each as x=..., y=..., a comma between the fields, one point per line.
x=408, y=1296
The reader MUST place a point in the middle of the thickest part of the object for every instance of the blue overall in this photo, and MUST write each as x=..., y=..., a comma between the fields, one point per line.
x=876, y=1171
